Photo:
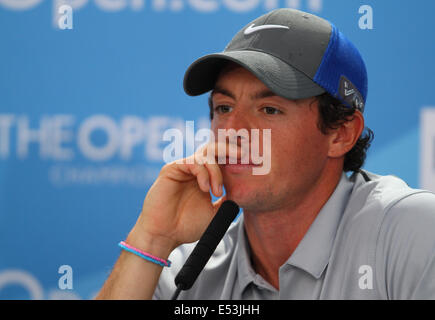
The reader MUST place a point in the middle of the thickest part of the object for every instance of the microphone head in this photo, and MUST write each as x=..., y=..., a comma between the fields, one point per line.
x=206, y=245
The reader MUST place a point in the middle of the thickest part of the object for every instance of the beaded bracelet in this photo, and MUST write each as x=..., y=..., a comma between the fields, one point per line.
x=144, y=255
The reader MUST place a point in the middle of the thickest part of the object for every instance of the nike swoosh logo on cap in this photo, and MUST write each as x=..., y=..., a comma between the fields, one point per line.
x=252, y=28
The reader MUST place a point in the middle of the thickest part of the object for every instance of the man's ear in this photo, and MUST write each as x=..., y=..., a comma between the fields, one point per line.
x=345, y=137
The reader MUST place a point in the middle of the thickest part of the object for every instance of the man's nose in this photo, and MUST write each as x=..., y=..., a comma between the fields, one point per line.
x=237, y=127
x=238, y=119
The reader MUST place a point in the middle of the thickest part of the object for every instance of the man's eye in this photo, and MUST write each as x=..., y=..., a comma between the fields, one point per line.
x=271, y=110
x=223, y=109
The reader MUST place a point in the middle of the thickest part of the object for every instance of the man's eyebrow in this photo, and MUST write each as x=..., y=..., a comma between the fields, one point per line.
x=266, y=93
x=223, y=91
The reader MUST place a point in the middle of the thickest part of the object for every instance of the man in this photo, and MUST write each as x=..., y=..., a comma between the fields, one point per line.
x=308, y=231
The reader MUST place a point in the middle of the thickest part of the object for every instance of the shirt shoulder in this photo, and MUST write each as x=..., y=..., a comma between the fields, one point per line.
x=406, y=247
x=381, y=216
x=412, y=214
x=373, y=196
x=396, y=207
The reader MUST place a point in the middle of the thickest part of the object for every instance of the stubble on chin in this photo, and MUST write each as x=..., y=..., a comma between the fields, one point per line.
x=257, y=201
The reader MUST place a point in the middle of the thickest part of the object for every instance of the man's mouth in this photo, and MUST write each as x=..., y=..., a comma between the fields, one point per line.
x=236, y=161
x=237, y=165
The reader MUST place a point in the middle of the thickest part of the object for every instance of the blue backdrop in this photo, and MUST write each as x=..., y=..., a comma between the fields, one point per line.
x=83, y=111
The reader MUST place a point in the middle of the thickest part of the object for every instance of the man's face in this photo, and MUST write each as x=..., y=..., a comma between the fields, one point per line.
x=298, y=148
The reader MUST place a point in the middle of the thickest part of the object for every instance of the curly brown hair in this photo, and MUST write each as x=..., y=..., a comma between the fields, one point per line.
x=334, y=113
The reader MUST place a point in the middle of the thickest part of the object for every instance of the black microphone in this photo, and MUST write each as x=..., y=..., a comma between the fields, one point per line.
x=206, y=246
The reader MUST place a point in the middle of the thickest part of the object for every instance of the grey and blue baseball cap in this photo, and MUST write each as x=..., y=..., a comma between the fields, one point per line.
x=295, y=54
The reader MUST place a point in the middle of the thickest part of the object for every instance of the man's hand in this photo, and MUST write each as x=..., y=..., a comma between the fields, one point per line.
x=178, y=207
x=176, y=210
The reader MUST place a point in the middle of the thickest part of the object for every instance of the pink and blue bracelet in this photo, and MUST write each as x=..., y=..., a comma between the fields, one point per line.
x=145, y=255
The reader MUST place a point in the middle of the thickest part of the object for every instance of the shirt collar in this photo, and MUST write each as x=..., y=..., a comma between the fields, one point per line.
x=313, y=252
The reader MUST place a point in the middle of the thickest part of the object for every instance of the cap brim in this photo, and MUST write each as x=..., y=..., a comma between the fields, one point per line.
x=278, y=76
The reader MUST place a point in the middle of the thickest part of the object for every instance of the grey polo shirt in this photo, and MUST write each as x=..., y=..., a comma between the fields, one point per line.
x=373, y=239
